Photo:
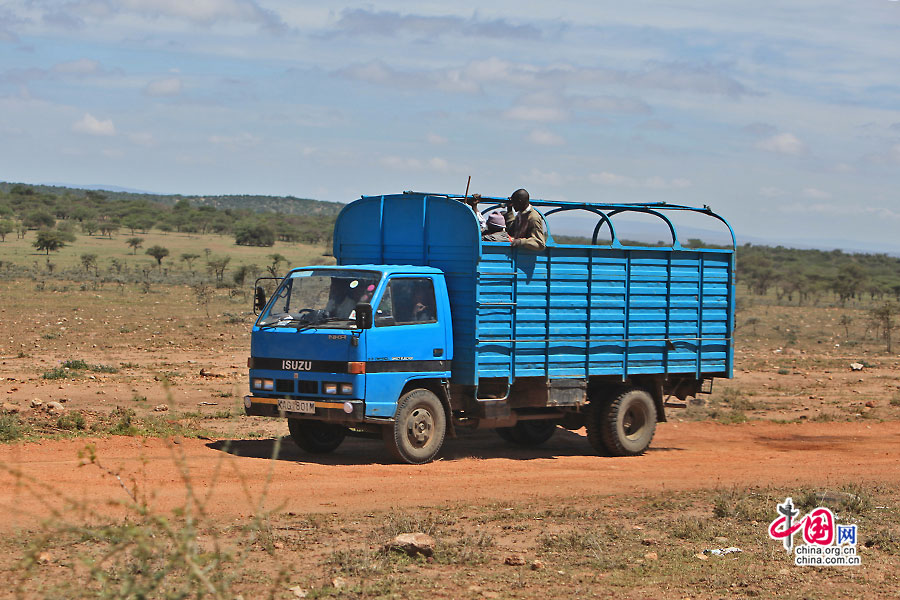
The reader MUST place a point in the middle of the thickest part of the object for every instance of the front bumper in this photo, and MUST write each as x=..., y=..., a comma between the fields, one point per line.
x=332, y=411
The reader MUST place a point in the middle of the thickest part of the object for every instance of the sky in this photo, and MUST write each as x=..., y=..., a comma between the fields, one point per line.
x=783, y=116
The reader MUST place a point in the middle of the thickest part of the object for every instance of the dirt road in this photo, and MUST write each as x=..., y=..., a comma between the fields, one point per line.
x=236, y=477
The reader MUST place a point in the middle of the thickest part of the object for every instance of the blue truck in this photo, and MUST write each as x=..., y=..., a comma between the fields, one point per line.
x=421, y=329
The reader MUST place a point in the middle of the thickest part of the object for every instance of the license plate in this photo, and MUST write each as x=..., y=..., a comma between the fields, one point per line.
x=297, y=406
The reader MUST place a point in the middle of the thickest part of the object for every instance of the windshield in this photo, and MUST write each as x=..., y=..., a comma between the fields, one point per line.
x=320, y=297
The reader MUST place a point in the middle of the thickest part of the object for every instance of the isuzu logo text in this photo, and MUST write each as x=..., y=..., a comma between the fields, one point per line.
x=296, y=365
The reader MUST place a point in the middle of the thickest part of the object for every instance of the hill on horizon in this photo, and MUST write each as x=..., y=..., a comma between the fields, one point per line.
x=288, y=205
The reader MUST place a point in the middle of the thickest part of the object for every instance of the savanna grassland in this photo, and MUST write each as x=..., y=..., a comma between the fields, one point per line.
x=145, y=480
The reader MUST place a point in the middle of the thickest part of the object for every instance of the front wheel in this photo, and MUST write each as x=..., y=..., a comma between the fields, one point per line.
x=419, y=427
x=623, y=425
x=316, y=437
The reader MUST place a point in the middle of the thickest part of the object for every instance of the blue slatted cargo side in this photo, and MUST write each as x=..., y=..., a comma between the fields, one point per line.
x=569, y=311
x=582, y=311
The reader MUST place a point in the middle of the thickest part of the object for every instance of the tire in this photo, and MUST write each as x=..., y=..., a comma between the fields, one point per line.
x=623, y=425
x=506, y=434
x=419, y=427
x=316, y=437
x=528, y=433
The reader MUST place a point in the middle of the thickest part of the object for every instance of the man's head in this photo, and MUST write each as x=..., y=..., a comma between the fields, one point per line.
x=496, y=222
x=520, y=200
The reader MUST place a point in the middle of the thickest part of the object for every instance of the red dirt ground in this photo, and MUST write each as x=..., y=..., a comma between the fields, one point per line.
x=238, y=478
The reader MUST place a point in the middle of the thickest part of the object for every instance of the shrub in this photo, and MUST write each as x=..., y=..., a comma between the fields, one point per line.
x=71, y=422
x=57, y=373
x=122, y=422
x=10, y=428
x=254, y=234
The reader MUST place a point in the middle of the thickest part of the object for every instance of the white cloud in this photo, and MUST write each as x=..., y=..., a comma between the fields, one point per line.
x=840, y=210
x=205, y=11
x=890, y=155
x=543, y=137
x=535, y=113
x=653, y=182
x=415, y=164
x=479, y=75
x=79, y=14
x=771, y=192
x=606, y=178
x=170, y=86
x=546, y=177
x=783, y=143
x=612, y=104
x=760, y=129
x=438, y=164
x=234, y=142
x=433, y=138
x=658, y=183
x=145, y=139
x=816, y=194
x=82, y=66
x=391, y=24
x=91, y=125
x=656, y=125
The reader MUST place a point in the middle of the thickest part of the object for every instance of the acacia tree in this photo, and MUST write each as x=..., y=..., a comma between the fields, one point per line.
x=189, y=258
x=6, y=226
x=217, y=265
x=108, y=228
x=276, y=259
x=89, y=226
x=884, y=318
x=159, y=253
x=135, y=243
x=849, y=282
x=38, y=218
x=49, y=241
x=89, y=261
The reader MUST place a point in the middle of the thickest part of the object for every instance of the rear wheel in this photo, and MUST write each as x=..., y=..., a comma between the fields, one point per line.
x=316, y=437
x=528, y=433
x=417, y=433
x=623, y=425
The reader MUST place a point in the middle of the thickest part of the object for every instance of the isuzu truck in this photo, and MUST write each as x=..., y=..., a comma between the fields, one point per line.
x=422, y=328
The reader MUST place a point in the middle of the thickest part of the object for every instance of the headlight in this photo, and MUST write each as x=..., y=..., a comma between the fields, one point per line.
x=346, y=389
x=264, y=384
x=329, y=388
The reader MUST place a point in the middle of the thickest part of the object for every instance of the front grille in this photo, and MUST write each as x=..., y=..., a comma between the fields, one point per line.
x=307, y=387
x=285, y=386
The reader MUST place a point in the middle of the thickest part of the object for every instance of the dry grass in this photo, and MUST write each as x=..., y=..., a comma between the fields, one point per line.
x=647, y=547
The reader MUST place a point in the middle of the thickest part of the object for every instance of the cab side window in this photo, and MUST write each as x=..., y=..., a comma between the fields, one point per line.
x=407, y=301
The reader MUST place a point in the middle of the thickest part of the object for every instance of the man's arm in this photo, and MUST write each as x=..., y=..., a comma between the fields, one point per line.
x=509, y=216
x=538, y=238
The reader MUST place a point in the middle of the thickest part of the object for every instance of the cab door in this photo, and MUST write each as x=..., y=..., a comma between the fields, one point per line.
x=407, y=341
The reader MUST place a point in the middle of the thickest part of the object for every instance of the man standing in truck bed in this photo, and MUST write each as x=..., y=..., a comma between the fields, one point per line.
x=526, y=228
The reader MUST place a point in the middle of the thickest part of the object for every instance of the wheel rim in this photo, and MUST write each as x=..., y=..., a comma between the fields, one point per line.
x=634, y=421
x=420, y=427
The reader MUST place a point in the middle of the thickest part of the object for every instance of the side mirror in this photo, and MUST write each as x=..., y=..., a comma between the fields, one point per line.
x=363, y=315
x=259, y=299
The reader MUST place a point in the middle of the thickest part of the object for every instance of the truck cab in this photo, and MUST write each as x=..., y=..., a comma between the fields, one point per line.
x=335, y=347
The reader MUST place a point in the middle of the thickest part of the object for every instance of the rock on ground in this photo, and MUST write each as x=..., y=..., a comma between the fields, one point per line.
x=412, y=544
